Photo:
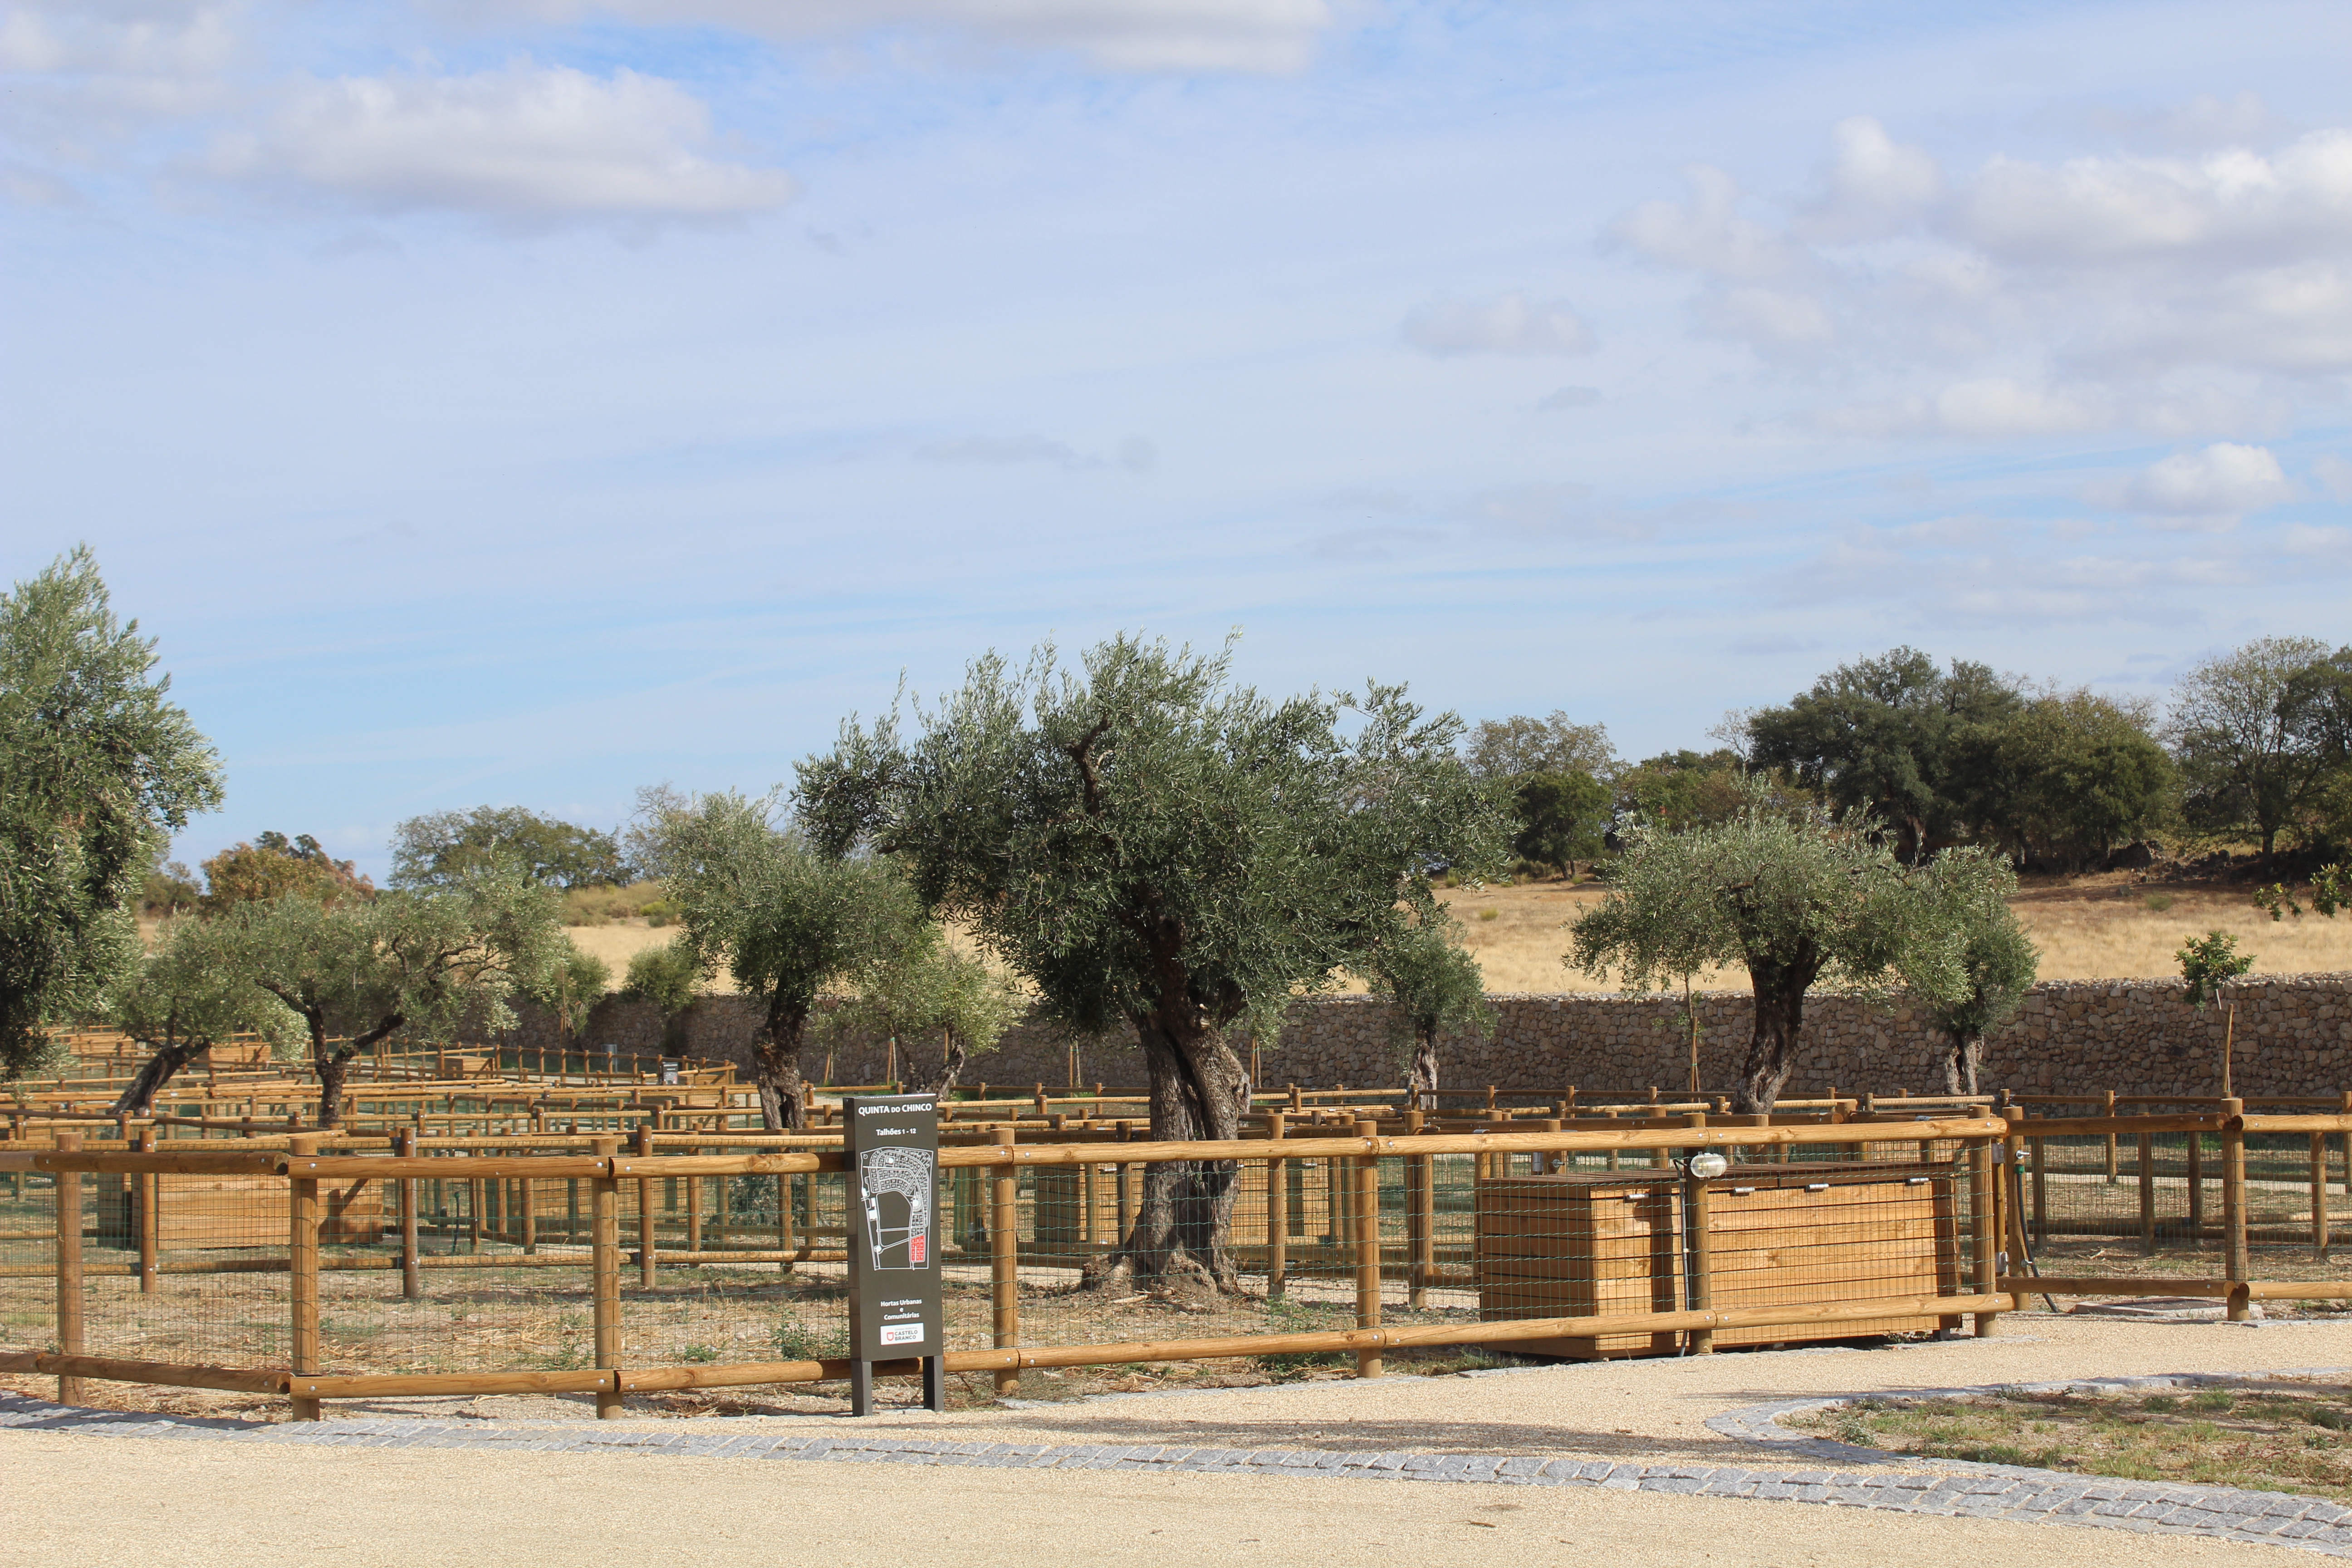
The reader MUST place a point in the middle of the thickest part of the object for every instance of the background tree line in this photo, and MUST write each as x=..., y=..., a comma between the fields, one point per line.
x=2255, y=746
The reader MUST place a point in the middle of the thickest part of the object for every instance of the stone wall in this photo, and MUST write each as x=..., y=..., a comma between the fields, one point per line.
x=2294, y=1037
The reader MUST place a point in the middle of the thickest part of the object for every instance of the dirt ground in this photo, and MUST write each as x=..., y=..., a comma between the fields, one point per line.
x=203, y=1503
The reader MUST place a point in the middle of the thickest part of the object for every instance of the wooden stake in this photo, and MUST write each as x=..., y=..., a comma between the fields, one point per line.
x=67, y=1190
x=605, y=1276
x=2319, y=1194
x=1004, y=1259
x=1420, y=1220
x=1368, y=1248
x=302, y=1272
x=2238, y=1268
x=1984, y=1227
x=1277, y=1213
x=149, y=1189
x=646, y=1223
x=412, y=1278
x=2147, y=1194
x=1699, y=1214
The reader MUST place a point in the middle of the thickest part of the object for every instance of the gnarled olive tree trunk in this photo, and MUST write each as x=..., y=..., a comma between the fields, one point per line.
x=1779, y=989
x=1962, y=1063
x=953, y=1058
x=159, y=1070
x=1200, y=1089
x=1423, y=1080
x=776, y=1067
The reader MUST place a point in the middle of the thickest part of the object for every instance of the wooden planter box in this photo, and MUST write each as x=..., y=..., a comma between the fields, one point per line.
x=197, y=1212
x=1609, y=1244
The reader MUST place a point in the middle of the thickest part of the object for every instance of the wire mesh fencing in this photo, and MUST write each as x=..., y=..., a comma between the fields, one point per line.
x=564, y=1263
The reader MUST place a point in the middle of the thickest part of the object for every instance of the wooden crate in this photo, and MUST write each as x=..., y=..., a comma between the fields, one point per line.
x=1594, y=1244
x=199, y=1212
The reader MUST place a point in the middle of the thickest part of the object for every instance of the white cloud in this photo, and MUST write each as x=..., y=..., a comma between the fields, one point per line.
x=126, y=37
x=1119, y=35
x=1706, y=234
x=1511, y=324
x=1874, y=183
x=2224, y=480
x=527, y=144
x=2307, y=538
x=2190, y=296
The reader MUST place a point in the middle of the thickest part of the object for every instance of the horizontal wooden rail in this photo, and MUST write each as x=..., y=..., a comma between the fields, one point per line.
x=265, y=1380
x=655, y=1378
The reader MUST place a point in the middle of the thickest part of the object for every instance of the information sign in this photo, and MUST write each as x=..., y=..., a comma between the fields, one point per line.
x=893, y=1147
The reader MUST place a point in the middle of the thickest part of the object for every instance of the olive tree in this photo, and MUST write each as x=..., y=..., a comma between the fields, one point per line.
x=1970, y=933
x=1799, y=897
x=1432, y=986
x=355, y=972
x=97, y=769
x=1144, y=842
x=790, y=923
x=187, y=995
x=931, y=988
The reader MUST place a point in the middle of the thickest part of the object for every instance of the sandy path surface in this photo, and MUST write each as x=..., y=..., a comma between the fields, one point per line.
x=1652, y=1411
x=130, y=1501
x=101, y=1502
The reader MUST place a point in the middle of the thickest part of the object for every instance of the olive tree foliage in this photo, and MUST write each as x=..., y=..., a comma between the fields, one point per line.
x=2251, y=739
x=97, y=769
x=789, y=924
x=1434, y=986
x=357, y=972
x=1969, y=932
x=1144, y=842
x=931, y=989
x=571, y=984
x=1799, y=897
x=187, y=995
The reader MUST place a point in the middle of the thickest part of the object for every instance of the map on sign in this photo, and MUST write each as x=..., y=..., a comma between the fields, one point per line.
x=908, y=1176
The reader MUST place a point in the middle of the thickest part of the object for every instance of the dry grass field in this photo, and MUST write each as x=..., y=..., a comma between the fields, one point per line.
x=2106, y=927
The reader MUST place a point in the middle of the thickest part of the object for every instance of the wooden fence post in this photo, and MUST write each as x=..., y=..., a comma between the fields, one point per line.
x=2196, y=1190
x=66, y=1187
x=302, y=1271
x=1277, y=1213
x=1700, y=1216
x=647, y=1225
x=149, y=1191
x=2147, y=1194
x=1984, y=1229
x=2319, y=1194
x=2233, y=1207
x=1368, y=1244
x=1004, y=1257
x=412, y=1266
x=1420, y=1218
x=2111, y=1141
x=605, y=1270
x=530, y=1206
x=2040, y=1147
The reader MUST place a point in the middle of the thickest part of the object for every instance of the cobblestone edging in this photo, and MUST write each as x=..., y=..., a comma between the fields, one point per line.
x=1957, y=1489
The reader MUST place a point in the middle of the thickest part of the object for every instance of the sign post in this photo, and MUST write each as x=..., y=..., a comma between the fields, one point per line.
x=893, y=1145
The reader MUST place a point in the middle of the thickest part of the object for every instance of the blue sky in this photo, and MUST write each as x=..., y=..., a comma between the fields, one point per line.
x=524, y=401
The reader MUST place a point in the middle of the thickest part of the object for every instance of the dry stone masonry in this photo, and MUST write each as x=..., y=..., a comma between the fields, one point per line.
x=2294, y=1037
